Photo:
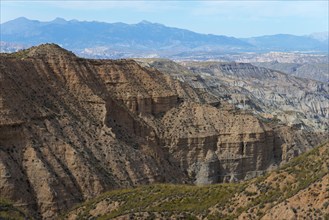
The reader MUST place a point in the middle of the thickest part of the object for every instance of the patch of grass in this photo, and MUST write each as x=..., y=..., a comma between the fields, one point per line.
x=161, y=198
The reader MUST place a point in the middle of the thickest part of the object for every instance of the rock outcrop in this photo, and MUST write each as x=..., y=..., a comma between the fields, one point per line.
x=72, y=128
x=229, y=146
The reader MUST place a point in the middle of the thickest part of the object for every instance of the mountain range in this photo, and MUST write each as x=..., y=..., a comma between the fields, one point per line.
x=116, y=40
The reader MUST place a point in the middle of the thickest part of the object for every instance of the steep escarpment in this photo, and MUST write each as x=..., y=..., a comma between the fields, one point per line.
x=73, y=128
x=298, y=102
x=223, y=146
x=234, y=85
x=295, y=101
x=57, y=147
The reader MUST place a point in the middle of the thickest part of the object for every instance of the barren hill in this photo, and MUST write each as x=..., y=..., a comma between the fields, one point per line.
x=72, y=128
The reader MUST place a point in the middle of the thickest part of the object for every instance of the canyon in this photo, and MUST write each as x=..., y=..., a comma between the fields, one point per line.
x=73, y=128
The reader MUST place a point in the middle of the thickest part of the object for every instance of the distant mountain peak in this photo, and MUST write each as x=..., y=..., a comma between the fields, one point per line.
x=145, y=22
x=21, y=19
x=74, y=20
x=59, y=20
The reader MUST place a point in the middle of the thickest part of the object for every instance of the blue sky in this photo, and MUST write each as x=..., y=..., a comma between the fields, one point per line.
x=232, y=18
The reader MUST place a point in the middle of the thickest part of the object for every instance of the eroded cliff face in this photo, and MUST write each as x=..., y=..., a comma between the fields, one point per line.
x=71, y=128
x=216, y=145
x=60, y=136
x=298, y=102
x=295, y=101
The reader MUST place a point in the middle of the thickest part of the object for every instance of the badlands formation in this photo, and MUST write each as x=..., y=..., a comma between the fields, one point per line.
x=73, y=128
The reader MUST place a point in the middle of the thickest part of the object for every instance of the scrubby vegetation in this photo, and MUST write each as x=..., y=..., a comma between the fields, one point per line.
x=165, y=198
x=225, y=201
x=9, y=212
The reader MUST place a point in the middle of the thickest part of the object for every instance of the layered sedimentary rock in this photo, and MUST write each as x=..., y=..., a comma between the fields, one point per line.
x=295, y=101
x=57, y=145
x=72, y=128
x=227, y=146
x=298, y=102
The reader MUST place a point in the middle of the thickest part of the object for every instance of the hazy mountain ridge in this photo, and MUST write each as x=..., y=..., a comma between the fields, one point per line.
x=287, y=42
x=79, y=35
x=120, y=40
